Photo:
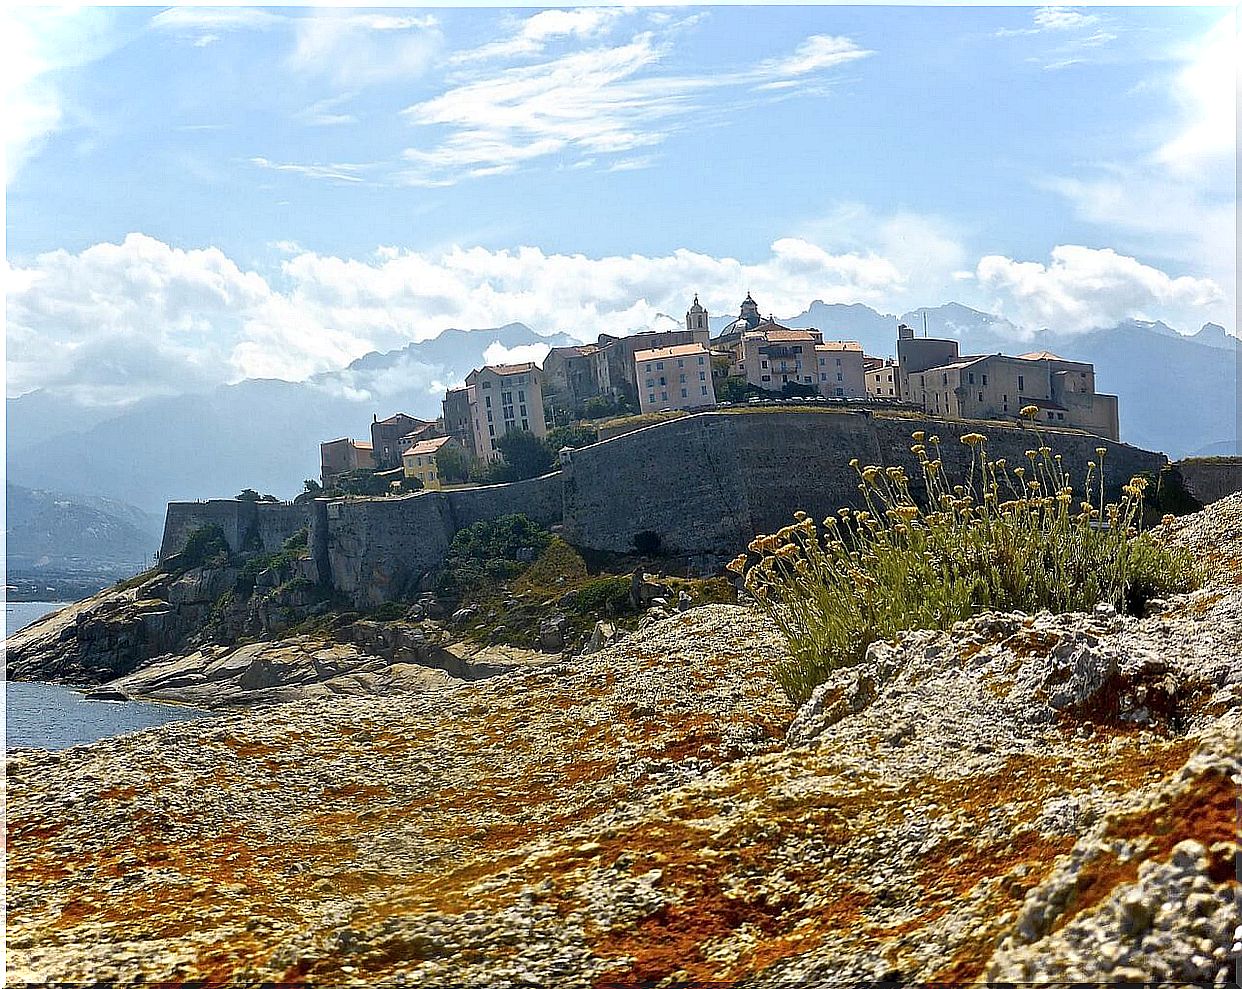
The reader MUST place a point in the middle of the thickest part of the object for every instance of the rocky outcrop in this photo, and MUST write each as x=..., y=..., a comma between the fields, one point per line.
x=1021, y=798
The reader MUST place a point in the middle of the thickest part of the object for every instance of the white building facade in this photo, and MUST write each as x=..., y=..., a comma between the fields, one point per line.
x=504, y=398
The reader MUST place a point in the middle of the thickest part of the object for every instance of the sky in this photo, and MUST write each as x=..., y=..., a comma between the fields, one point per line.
x=197, y=195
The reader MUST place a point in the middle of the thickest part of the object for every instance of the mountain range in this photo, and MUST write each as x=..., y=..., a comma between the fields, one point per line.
x=1178, y=394
x=49, y=531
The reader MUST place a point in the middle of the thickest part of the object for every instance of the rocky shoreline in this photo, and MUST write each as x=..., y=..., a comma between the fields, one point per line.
x=1022, y=798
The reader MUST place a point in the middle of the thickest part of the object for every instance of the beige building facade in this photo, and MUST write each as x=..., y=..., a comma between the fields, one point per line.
x=838, y=369
x=677, y=377
x=998, y=386
x=504, y=398
x=772, y=356
x=336, y=457
x=883, y=378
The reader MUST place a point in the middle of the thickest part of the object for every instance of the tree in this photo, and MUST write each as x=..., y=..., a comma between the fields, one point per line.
x=452, y=463
x=571, y=436
x=249, y=494
x=311, y=487
x=734, y=389
x=525, y=454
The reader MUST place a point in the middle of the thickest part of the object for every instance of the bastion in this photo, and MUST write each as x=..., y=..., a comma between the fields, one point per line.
x=701, y=486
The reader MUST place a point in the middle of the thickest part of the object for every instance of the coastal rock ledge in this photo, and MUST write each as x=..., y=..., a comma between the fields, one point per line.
x=1020, y=799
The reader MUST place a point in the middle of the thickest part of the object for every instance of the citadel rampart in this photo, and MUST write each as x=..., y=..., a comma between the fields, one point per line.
x=263, y=524
x=1210, y=479
x=705, y=484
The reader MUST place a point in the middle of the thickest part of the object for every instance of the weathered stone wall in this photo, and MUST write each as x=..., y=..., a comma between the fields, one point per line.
x=374, y=550
x=271, y=522
x=539, y=499
x=1211, y=479
x=705, y=484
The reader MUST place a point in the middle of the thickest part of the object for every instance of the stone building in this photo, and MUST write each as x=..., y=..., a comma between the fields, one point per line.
x=420, y=460
x=614, y=356
x=339, y=456
x=456, y=418
x=386, y=436
x=996, y=386
x=838, y=369
x=569, y=376
x=504, y=398
x=882, y=378
x=674, y=378
x=772, y=356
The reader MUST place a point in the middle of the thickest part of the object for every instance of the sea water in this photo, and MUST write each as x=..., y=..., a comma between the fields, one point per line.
x=49, y=716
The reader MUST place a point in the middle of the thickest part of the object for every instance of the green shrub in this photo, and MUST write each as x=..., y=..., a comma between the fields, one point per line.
x=483, y=555
x=603, y=595
x=204, y=545
x=559, y=564
x=1007, y=539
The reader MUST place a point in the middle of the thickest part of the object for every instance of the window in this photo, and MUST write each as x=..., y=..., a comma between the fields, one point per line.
x=680, y=362
x=683, y=393
x=1060, y=415
x=980, y=396
x=683, y=379
x=840, y=391
x=823, y=361
x=663, y=396
x=1021, y=384
x=651, y=396
x=521, y=396
x=702, y=375
x=840, y=377
x=765, y=377
x=660, y=367
x=488, y=401
x=526, y=425
x=946, y=379
x=971, y=377
x=700, y=361
x=662, y=381
x=763, y=363
x=838, y=362
x=703, y=389
x=489, y=415
x=985, y=379
x=491, y=431
x=506, y=398
x=651, y=382
x=487, y=384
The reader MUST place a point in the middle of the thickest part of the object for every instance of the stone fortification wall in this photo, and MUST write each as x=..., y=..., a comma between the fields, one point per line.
x=373, y=550
x=705, y=484
x=271, y=523
x=540, y=499
x=1211, y=479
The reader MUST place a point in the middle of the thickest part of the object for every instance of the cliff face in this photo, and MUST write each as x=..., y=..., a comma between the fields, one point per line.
x=1020, y=798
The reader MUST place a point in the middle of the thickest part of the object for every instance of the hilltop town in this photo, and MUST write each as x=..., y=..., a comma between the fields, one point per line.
x=593, y=391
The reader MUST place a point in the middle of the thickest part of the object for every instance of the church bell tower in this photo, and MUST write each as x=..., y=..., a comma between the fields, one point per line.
x=696, y=318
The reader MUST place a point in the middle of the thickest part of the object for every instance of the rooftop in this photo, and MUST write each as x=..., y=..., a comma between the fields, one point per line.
x=662, y=353
x=840, y=345
x=426, y=446
x=1040, y=355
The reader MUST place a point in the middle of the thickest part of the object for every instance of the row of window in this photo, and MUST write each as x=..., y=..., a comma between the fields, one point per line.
x=659, y=365
x=664, y=395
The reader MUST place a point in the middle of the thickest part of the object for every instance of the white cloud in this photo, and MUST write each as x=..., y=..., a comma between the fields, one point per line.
x=36, y=45
x=498, y=353
x=1176, y=199
x=337, y=171
x=117, y=322
x=203, y=26
x=605, y=101
x=536, y=31
x=359, y=49
x=1062, y=19
x=1207, y=90
x=1084, y=288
